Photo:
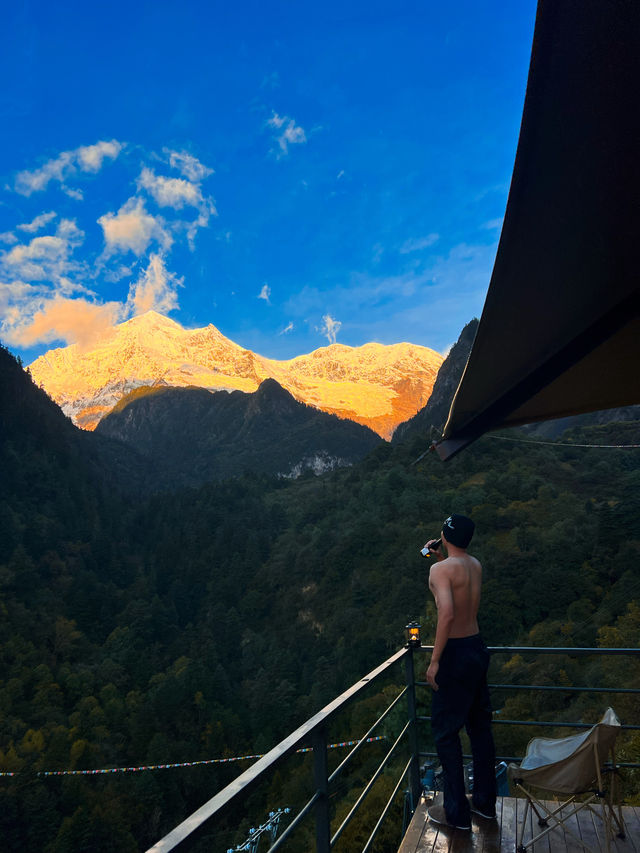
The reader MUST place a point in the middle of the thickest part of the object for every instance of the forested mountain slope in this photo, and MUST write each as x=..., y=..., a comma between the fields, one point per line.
x=192, y=436
x=210, y=621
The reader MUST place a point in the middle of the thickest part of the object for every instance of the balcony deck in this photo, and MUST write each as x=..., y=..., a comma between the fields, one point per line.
x=499, y=836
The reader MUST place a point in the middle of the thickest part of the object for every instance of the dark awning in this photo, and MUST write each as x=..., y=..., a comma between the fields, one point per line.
x=560, y=330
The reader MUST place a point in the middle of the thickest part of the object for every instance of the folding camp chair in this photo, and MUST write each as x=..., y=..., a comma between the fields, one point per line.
x=571, y=766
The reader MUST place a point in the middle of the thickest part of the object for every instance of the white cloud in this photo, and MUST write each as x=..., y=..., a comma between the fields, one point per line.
x=117, y=272
x=170, y=192
x=265, y=293
x=37, y=223
x=44, y=295
x=53, y=170
x=416, y=244
x=292, y=134
x=187, y=165
x=68, y=230
x=330, y=328
x=11, y=294
x=88, y=158
x=192, y=229
x=155, y=289
x=133, y=229
x=493, y=224
x=77, y=194
x=36, y=313
x=33, y=260
x=288, y=328
x=44, y=258
x=91, y=157
x=178, y=193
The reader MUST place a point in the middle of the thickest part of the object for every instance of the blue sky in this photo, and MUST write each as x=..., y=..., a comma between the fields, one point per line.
x=293, y=173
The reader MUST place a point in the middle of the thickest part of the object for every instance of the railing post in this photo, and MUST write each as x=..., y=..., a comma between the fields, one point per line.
x=414, y=768
x=320, y=778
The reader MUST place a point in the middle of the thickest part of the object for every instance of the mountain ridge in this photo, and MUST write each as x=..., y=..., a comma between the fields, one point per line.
x=376, y=385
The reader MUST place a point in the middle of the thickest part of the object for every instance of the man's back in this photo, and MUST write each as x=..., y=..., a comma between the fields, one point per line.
x=457, y=580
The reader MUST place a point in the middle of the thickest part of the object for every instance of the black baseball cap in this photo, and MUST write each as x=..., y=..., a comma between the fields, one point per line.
x=458, y=529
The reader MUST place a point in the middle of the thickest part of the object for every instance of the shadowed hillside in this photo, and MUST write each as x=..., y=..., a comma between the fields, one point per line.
x=192, y=436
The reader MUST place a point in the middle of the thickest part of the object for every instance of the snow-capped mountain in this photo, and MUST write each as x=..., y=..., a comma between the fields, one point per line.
x=375, y=385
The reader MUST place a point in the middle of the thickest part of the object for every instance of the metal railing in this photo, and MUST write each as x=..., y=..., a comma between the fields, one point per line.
x=313, y=733
x=550, y=650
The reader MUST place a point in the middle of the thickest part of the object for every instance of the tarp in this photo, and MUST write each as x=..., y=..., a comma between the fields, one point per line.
x=560, y=329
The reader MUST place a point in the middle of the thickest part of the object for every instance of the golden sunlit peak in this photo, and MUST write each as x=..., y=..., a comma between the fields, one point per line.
x=151, y=318
x=375, y=384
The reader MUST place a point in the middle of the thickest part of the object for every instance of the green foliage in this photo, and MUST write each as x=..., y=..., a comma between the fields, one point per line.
x=211, y=621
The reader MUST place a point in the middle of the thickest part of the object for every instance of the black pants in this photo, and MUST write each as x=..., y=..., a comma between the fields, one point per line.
x=462, y=699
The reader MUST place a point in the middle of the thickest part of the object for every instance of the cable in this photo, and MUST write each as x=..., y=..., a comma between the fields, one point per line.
x=182, y=764
x=546, y=443
x=563, y=443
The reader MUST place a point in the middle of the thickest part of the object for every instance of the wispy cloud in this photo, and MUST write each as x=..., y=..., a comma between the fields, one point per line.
x=133, y=229
x=265, y=293
x=330, y=328
x=48, y=294
x=188, y=165
x=87, y=158
x=28, y=182
x=44, y=258
x=156, y=289
x=42, y=294
x=288, y=328
x=170, y=192
x=418, y=243
x=421, y=305
x=91, y=157
x=289, y=133
x=178, y=193
x=37, y=223
x=34, y=314
x=73, y=192
x=13, y=295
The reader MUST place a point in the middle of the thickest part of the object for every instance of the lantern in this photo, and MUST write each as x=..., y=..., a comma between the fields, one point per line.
x=413, y=634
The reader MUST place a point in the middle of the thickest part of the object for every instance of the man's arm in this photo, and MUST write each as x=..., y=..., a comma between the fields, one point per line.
x=440, y=586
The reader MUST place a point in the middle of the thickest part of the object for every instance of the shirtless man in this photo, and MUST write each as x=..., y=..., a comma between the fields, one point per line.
x=457, y=674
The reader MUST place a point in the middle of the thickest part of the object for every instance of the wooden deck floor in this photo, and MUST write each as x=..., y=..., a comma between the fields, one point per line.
x=499, y=836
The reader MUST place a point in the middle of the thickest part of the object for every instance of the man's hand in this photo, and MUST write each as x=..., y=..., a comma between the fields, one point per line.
x=437, y=553
x=432, y=671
